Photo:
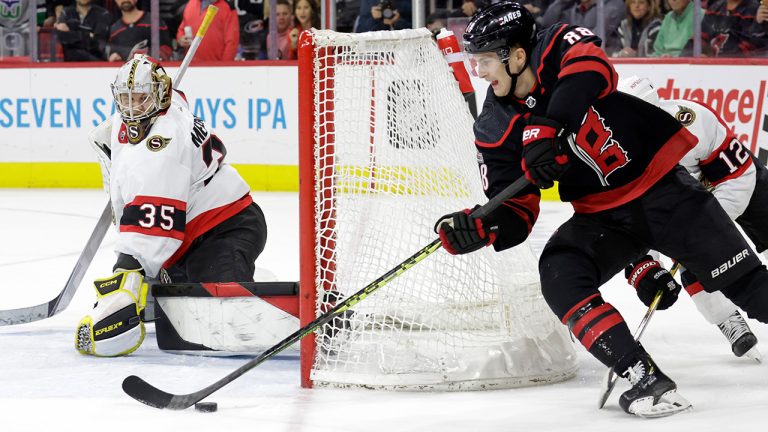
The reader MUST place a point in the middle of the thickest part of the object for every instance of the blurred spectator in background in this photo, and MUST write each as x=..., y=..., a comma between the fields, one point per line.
x=469, y=8
x=760, y=28
x=253, y=29
x=221, y=40
x=584, y=13
x=347, y=12
x=726, y=29
x=436, y=21
x=54, y=8
x=83, y=30
x=676, y=29
x=306, y=14
x=638, y=30
x=132, y=34
x=384, y=15
x=536, y=7
x=283, y=21
x=171, y=12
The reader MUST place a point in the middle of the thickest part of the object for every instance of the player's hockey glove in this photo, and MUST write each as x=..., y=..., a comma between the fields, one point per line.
x=461, y=233
x=545, y=155
x=648, y=277
x=115, y=327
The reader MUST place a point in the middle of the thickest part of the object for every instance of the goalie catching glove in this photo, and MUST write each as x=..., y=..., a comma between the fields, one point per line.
x=648, y=277
x=545, y=157
x=115, y=327
x=461, y=233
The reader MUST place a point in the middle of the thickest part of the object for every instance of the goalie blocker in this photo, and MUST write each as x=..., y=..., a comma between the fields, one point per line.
x=224, y=318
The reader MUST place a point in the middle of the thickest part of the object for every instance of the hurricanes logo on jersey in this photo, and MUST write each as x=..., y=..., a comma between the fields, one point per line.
x=594, y=144
x=156, y=143
x=685, y=116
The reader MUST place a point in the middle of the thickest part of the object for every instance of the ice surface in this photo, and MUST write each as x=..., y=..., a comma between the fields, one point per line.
x=45, y=385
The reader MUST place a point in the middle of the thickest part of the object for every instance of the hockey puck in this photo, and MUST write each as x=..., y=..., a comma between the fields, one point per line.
x=206, y=406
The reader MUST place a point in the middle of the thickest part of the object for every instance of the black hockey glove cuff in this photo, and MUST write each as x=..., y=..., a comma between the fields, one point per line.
x=460, y=233
x=545, y=156
x=648, y=277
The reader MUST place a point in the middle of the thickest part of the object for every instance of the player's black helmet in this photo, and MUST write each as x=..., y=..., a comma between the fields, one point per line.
x=499, y=27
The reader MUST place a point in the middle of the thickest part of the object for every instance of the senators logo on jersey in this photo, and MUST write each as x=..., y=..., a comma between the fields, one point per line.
x=156, y=143
x=685, y=116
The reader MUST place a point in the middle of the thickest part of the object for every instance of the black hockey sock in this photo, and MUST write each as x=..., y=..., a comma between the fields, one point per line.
x=601, y=329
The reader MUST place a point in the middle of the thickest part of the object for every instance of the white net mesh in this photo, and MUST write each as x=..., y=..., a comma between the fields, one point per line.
x=394, y=152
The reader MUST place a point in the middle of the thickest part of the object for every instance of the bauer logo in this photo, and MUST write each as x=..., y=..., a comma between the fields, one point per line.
x=529, y=134
x=724, y=267
x=156, y=143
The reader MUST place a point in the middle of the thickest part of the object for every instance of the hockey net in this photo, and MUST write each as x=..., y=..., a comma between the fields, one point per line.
x=386, y=148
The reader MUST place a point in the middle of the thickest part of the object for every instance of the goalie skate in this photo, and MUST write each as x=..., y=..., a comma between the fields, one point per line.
x=743, y=341
x=653, y=394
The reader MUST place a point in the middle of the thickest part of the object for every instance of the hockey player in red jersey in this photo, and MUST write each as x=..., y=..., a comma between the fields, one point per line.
x=552, y=113
x=178, y=207
x=739, y=182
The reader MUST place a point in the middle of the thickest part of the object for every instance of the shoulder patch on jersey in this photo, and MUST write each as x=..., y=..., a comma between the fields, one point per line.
x=122, y=135
x=685, y=115
x=156, y=143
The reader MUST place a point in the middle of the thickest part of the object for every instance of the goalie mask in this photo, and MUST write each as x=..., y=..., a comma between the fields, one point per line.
x=141, y=90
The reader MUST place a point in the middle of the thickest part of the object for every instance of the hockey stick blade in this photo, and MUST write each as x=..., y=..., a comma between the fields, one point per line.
x=148, y=394
x=61, y=301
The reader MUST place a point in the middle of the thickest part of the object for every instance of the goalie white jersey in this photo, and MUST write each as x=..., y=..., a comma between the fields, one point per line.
x=719, y=158
x=171, y=187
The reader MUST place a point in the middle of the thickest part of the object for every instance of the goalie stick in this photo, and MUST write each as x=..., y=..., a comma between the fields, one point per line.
x=609, y=380
x=146, y=393
x=61, y=301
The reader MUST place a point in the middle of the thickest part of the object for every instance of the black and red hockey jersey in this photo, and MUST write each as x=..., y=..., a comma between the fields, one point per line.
x=128, y=39
x=619, y=145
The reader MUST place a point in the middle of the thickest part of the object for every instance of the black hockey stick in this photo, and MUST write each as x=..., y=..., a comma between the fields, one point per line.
x=61, y=301
x=609, y=380
x=144, y=392
x=58, y=304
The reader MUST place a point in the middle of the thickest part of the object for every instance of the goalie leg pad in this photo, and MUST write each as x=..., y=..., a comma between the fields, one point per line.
x=115, y=328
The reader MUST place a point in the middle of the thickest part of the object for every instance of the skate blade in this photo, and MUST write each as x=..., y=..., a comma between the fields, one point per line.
x=669, y=403
x=754, y=354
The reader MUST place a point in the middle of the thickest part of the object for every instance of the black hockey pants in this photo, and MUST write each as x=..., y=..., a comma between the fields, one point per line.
x=677, y=217
x=227, y=252
x=754, y=220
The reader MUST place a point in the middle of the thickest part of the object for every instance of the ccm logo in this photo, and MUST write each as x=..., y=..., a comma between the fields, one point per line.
x=724, y=267
x=108, y=283
x=531, y=133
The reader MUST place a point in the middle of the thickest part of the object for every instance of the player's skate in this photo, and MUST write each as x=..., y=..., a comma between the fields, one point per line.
x=743, y=341
x=652, y=394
